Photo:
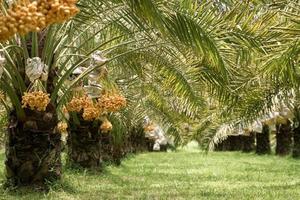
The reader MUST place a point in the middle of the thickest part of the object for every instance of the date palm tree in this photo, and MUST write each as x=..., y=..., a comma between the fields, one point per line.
x=231, y=62
x=181, y=57
x=29, y=66
x=36, y=68
x=265, y=85
x=37, y=63
x=266, y=70
x=177, y=61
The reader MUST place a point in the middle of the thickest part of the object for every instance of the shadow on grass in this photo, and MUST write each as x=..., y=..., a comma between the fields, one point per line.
x=38, y=190
x=71, y=175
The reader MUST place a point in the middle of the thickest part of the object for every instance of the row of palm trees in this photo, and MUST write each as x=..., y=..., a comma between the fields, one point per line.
x=202, y=63
x=268, y=82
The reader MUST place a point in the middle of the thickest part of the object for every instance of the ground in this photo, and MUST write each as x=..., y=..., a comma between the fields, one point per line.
x=180, y=175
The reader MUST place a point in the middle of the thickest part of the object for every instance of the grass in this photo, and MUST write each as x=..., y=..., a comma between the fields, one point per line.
x=180, y=175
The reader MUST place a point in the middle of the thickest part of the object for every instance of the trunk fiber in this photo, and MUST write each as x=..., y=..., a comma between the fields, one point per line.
x=138, y=142
x=283, y=139
x=263, y=141
x=231, y=143
x=107, y=147
x=296, y=146
x=112, y=152
x=33, y=149
x=84, y=145
x=248, y=142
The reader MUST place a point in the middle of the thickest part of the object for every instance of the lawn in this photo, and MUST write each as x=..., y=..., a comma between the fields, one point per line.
x=180, y=175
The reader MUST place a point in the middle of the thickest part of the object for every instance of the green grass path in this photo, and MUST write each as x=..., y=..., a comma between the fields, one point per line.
x=181, y=175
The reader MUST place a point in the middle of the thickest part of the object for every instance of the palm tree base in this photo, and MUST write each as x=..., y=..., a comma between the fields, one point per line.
x=84, y=146
x=107, y=148
x=231, y=143
x=113, y=152
x=296, y=146
x=248, y=143
x=138, y=141
x=118, y=153
x=283, y=139
x=33, y=149
x=263, y=141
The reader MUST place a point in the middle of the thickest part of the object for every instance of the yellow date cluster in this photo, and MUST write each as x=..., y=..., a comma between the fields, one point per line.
x=32, y=16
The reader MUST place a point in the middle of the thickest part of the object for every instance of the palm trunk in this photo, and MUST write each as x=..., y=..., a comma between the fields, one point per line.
x=120, y=148
x=84, y=145
x=263, y=141
x=118, y=154
x=164, y=148
x=218, y=147
x=128, y=145
x=233, y=143
x=149, y=143
x=296, y=146
x=107, y=147
x=238, y=143
x=225, y=145
x=248, y=142
x=138, y=141
x=283, y=139
x=33, y=148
